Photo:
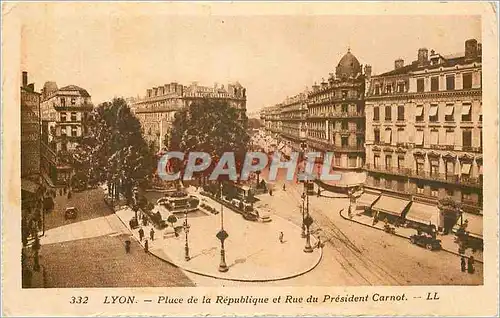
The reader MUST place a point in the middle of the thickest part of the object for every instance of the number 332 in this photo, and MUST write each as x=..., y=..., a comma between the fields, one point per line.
x=79, y=300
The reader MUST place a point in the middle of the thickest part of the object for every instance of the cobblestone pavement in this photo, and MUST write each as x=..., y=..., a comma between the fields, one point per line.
x=103, y=262
x=90, y=251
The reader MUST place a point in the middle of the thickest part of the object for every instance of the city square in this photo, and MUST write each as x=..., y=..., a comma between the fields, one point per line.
x=402, y=130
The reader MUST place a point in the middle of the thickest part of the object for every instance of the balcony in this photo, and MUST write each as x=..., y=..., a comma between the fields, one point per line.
x=472, y=149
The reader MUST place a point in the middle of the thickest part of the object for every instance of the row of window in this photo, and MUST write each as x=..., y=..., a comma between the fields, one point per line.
x=434, y=137
x=467, y=196
x=64, y=116
x=72, y=101
x=73, y=129
x=433, y=113
x=401, y=87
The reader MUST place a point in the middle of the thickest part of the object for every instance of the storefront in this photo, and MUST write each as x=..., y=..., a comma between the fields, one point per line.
x=390, y=208
x=366, y=200
x=422, y=216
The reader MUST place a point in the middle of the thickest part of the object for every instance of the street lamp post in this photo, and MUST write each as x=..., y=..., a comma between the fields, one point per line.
x=303, y=234
x=222, y=236
x=304, y=193
x=186, y=230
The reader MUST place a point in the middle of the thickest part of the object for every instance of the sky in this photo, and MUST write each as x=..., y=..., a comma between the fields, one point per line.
x=114, y=52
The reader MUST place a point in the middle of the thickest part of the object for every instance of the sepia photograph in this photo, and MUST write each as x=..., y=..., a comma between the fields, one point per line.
x=165, y=149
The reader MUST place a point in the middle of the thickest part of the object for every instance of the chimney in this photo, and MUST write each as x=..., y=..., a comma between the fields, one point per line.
x=368, y=71
x=25, y=78
x=399, y=63
x=149, y=92
x=315, y=87
x=479, y=49
x=423, y=54
x=471, y=49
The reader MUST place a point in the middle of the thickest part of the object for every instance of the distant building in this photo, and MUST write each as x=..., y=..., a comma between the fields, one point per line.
x=157, y=109
x=424, y=133
x=329, y=118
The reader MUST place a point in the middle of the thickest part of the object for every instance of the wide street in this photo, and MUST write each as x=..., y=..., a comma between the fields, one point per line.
x=89, y=251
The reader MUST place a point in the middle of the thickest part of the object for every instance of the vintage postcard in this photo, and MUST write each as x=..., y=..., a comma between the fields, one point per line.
x=249, y=159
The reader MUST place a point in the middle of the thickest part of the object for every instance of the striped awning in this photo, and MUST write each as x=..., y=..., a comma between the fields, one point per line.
x=367, y=199
x=423, y=213
x=29, y=186
x=475, y=224
x=390, y=205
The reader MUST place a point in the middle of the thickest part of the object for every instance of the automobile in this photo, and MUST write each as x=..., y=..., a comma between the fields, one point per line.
x=70, y=213
x=426, y=241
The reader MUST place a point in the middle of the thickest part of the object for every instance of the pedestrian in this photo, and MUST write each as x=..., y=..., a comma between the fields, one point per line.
x=69, y=194
x=127, y=246
x=284, y=187
x=319, y=192
x=144, y=221
x=146, y=246
x=470, y=265
x=281, y=237
x=141, y=234
x=60, y=192
x=462, y=264
x=271, y=192
x=152, y=234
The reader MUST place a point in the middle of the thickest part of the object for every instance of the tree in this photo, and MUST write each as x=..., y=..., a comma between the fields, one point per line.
x=451, y=210
x=172, y=219
x=114, y=151
x=210, y=126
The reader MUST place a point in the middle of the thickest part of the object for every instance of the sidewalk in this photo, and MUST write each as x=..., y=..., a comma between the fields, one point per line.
x=447, y=241
x=253, y=251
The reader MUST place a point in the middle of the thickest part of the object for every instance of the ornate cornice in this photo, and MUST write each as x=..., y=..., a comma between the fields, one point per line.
x=424, y=95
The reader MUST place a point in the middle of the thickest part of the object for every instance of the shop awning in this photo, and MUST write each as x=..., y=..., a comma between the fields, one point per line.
x=367, y=199
x=475, y=224
x=423, y=213
x=390, y=205
x=29, y=186
x=419, y=111
x=465, y=109
x=449, y=110
x=433, y=110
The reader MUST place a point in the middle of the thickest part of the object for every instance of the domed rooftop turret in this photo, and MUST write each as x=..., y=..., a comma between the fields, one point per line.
x=348, y=66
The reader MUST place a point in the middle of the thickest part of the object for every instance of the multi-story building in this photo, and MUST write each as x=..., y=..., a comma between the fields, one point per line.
x=330, y=118
x=293, y=118
x=157, y=109
x=424, y=135
x=64, y=112
x=336, y=118
x=37, y=160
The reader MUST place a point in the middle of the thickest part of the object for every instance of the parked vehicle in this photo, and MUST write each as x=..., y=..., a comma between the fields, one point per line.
x=70, y=213
x=426, y=241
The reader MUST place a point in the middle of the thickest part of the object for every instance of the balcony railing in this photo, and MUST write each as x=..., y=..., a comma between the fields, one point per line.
x=454, y=179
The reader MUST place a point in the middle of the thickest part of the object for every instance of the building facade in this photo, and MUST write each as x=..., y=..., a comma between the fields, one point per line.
x=329, y=118
x=424, y=130
x=65, y=112
x=157, y=109
x=293, y=119
x=37, y=159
